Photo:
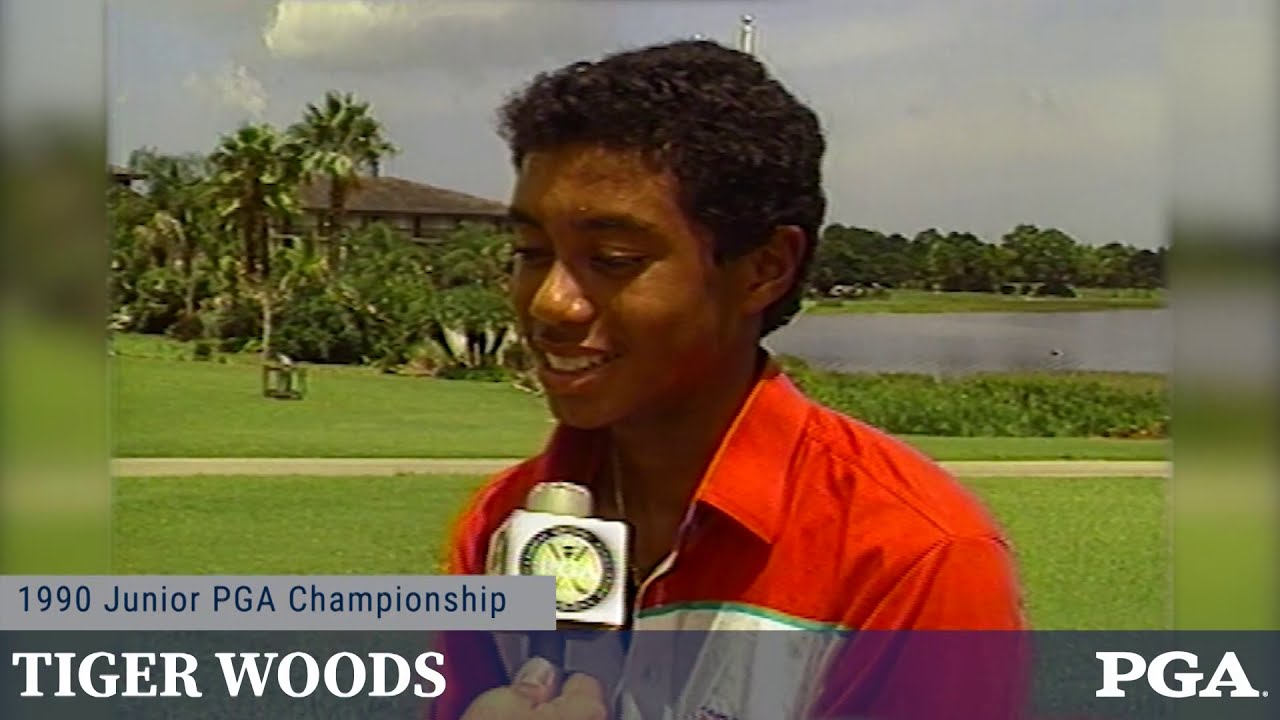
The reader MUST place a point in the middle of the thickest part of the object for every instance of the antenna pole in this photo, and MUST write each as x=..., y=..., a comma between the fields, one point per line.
x=747, y=35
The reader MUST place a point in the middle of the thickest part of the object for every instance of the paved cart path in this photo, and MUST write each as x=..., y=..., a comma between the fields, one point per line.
x=374, y=467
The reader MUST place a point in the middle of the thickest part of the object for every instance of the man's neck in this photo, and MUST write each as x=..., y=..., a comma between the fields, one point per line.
x=658, y=461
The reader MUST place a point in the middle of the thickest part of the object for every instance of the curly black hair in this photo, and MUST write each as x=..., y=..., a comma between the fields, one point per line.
x=745, y=152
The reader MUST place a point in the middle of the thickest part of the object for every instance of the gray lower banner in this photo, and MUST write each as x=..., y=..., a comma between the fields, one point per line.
x=303, y=602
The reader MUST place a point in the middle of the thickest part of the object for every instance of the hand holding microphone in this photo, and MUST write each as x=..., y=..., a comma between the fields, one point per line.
x=555, y=535
x=533, y=696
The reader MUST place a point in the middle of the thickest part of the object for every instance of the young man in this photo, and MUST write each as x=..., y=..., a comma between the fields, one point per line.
x=667, y=205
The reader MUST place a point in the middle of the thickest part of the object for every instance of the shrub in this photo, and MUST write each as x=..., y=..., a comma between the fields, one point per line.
x=233, y=320
x=158, y=303
x=483, y=373
x=1056, y=289
x=186, y=328
x=1044, y=405
x=314, y=326
x=426, y=358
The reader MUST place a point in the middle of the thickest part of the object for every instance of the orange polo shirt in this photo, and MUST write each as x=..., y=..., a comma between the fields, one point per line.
x=806, y=519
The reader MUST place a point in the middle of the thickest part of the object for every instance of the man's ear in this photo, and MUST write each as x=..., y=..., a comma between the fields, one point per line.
x=771, y=269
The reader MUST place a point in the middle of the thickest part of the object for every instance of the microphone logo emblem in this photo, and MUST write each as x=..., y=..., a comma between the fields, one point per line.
x=578, y=559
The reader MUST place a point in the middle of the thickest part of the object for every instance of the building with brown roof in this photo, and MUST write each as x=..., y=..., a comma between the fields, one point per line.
x=422, y=211
x=123, y=176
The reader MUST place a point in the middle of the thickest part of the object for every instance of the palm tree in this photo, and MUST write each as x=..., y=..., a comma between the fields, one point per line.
x=257, y=174
x=178, y=232
x=341, y=137
x=257, y=171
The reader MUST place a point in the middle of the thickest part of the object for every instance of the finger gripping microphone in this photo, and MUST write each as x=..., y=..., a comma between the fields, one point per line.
x=555, y=535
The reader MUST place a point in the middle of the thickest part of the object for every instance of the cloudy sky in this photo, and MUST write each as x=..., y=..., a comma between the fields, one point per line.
x=960, y=114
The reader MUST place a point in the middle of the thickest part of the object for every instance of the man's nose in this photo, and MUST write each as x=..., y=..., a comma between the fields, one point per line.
x=560, y=299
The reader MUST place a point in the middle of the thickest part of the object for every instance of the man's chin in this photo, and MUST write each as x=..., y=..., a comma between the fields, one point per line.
x=579, y=414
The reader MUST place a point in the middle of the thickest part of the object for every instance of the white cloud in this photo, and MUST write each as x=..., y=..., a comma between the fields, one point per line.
x=231, y=88
x=301, y=30
x=448, y=35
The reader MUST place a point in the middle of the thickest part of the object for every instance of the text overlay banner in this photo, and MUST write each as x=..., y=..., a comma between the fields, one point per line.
x=302, y=602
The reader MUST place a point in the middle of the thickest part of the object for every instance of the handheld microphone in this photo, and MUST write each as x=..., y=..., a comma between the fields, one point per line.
x=555, y=535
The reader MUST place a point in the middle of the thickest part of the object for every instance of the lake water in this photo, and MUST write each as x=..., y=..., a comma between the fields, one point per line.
x=959, y=343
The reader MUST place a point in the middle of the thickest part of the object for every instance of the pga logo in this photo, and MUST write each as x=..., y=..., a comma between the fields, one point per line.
x=1229, y=673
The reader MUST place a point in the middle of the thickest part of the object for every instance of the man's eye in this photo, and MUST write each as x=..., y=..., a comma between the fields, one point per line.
x=617, y=263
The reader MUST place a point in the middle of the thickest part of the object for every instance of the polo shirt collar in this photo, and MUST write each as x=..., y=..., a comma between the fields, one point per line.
x=748, y=478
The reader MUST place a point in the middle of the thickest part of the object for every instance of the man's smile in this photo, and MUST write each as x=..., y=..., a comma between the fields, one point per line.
x=575, y=364
x=571, y=370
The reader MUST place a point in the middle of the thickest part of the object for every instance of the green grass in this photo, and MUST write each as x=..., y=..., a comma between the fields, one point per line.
x=159, y=347
x=1091, y=552
x=166, y=407
x=284, y=525
x=924, y=301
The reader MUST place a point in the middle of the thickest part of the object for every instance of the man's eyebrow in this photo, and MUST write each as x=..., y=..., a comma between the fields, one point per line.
x=600, y=222
x=608, y=222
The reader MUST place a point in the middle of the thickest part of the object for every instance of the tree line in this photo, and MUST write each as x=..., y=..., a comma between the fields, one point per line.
x=1044, y=260
x=204, y=251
